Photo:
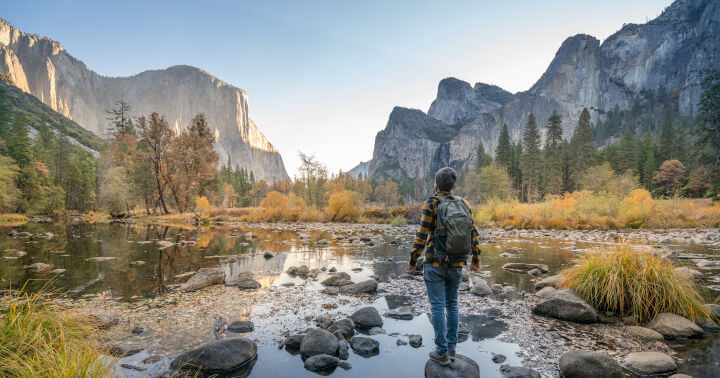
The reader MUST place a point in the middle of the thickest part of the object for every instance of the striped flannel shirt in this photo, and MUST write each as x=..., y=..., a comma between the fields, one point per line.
x=424, y=240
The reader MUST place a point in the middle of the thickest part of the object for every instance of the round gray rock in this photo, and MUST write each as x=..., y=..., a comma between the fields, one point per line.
x=217, y=356
x=463, y=367
x=318, y=341
x=673, y=326
x=650, y=363
x=241, y=326
x=565, y=305
x=367, y=317
x=365, y=287
x=365, y=346
x=321, y=362
x=644, y=334
x=589, y=364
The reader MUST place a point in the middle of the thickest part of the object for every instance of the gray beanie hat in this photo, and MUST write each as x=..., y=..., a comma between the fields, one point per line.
x=445, y=179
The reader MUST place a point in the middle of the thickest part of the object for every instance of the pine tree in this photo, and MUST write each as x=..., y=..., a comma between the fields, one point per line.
x=531, y=163
x=503, y=152
x=708, y=130
x=647, y=160
x=582, y=147
x=553, y=175
x=627, y=158
x=666, y=142
x=481, y=158
x=120, y=121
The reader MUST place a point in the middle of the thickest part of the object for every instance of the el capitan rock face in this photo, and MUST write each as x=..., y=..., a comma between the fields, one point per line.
x=666, y=53
x=43, y=68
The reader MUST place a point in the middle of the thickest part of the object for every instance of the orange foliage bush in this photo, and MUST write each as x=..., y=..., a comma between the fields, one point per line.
x=344, y=206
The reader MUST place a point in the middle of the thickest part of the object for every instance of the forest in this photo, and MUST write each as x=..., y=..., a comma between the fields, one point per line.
x=145, y=168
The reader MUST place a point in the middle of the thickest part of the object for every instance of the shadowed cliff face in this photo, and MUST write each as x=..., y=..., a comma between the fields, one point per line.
x=669, y=52
x=43, y=68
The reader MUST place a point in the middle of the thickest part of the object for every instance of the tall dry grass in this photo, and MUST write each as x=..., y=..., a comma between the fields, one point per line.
x=588, y=210
x=39, y=341
x=629, y=281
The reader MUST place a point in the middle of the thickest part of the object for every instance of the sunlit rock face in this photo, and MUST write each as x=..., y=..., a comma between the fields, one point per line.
x=669, y=52
x=42, y=67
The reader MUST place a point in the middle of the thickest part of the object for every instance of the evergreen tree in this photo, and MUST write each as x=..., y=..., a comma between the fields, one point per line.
x=627, y=149
x=120, y=120
x=515, y=171
x=531, y=163
x=553, y=175
x=503, y=152
x=582, y=147
x=647, y=163
x=708, y=130
x=481, y=158
x=666, y=142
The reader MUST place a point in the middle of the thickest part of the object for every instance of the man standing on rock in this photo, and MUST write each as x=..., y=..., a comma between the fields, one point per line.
x=449, y=234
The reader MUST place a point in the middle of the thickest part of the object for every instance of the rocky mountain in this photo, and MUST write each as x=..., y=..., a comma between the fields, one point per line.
x=43, y=68
x=36, y=113
x=360, y=169
x=667, y=54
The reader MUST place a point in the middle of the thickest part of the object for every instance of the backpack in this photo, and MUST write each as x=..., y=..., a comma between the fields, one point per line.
x=453, y=231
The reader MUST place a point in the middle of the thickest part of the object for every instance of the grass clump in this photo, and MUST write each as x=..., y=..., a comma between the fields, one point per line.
x=39, y=341
x=398, y=221
x=633, y=282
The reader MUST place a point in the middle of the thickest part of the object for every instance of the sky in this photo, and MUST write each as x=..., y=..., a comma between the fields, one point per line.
x=323, y=76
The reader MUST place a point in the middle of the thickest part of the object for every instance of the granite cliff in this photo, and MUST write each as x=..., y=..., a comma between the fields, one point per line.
x=43, y=68
x=666, y=54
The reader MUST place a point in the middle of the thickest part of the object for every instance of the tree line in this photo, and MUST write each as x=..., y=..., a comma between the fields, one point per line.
x=678, y=159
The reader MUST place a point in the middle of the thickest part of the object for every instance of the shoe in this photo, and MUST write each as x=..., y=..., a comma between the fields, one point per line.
x=451, y=355
x=440, y=357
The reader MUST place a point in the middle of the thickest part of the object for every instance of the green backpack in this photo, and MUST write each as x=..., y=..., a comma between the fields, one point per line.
x=453, y=230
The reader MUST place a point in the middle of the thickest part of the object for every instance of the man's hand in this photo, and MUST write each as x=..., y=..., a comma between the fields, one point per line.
x=474, y=267
x=411, y=269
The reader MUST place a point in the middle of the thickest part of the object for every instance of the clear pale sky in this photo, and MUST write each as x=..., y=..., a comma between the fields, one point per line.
x=323, y=76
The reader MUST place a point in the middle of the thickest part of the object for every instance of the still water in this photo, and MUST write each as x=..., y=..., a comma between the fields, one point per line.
x=136, y=266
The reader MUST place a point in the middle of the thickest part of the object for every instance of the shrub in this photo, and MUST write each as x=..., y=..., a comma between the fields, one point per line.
x=344, y=206
x=637, y=208
x=398, y=221
x=202, y=205
x=273, y=207
x=633, y=282
x=37, y=340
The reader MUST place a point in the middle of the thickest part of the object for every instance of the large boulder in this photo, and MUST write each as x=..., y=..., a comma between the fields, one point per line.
x=204, y=277
x=673, y=326
x=321, y=362
x=589, y=364
x=524, y=267
x=365, y=287
x=463, y=367
x=565, y=305
x=367, y=317
x=217, y=356
x=365, y=346
x=650, y=363
x=318, y=341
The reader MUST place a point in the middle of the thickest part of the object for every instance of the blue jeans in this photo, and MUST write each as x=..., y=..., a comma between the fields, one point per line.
x=442, y=286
